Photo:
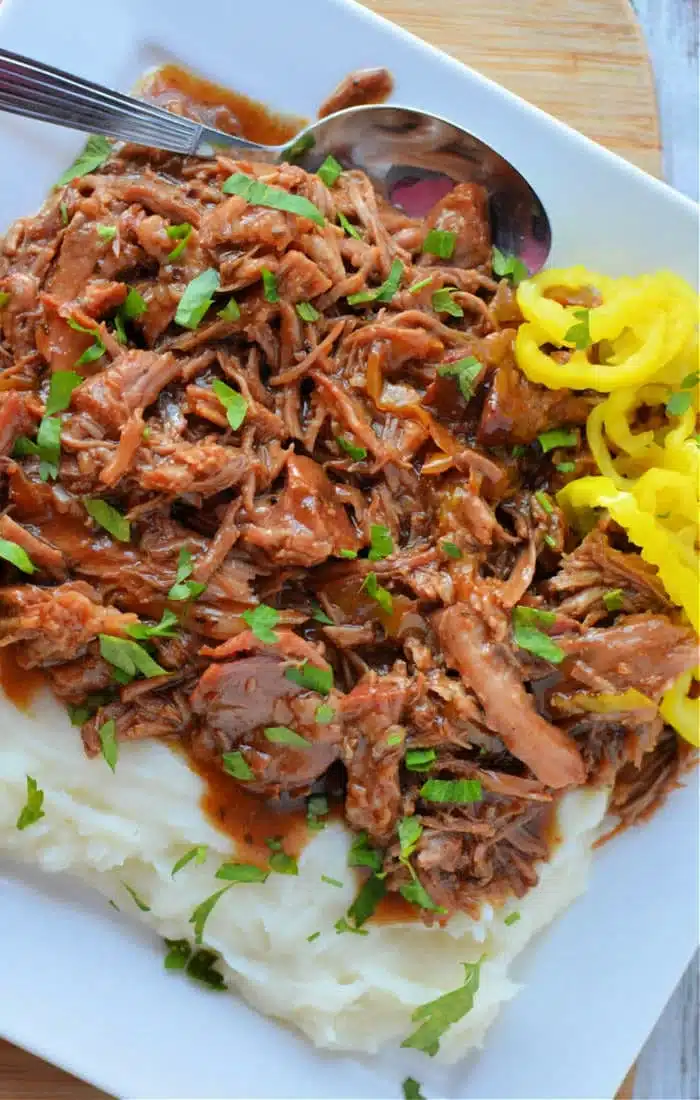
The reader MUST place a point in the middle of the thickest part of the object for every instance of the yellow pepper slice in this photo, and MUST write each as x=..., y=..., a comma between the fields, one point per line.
x=675, y=560
x=680, y=711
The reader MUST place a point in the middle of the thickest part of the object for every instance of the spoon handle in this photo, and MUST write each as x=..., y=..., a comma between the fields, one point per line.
x=34, y=90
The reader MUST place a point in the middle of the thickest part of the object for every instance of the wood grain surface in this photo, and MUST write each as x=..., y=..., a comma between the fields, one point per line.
x=567, y=57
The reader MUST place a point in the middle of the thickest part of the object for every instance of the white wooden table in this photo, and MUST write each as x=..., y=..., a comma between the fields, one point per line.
x=668, y=1066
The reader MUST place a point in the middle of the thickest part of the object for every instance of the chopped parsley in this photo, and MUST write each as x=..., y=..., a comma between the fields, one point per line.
x=417, y=287
x=416, y=894
x=411, y=1089
x=107, y=734
x=197, y=299
x=527, y=635
x=464, y=371
x=202, y=913
x=550, y=541
x=61, y=387
x=132, y=307
x=320, y=616
x=459, y=791
x=345, y=553
x=138, y=901
x=32, y=810
x=565, y=467
x=544, y=502
x=362, y=854
x=234, y=403
x=316, y=808
x=437, y=1016
x=261, y=620
x=231, y=311
x=109, y=518
x=381, y=542
x=185, y=589
x=356, y=453
x=95, y=350
x=95, y=153
x=235, y=765
x=330, y=170
x=270, y=292
x=385, y=292
x=307, y=312
x=614, y=600
x=195, y=855
x=128, y=658
x=310, y=677
x=451, y=549
x=258, y=193
x=283, y=864
x=17, y=556
x=420, y=760
x=580, y=334
x=241, y=872
x=679, y=403
x=181, y=234
x=440, y=243
x=343, y=926
x=377, y=592
x=198, y=965
x=163, y=629
x=558, y=437
x=332, y=881
x=507, y=266
x=351, y=230
x=283, y=735
x=324, y=714
x=312, y=937
x=409, y=830
x=396, y=738
x=107, y=232
x=512, y=918
x=443, y=302
x=63, y=211
x=364, y=905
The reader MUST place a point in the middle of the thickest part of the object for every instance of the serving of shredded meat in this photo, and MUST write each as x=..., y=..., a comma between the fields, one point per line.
x=345, y=561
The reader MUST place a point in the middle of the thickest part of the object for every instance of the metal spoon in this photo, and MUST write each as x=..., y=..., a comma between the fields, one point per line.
x=412, y=158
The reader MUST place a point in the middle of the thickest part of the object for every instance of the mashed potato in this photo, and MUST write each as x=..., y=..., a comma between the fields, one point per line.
x=345, y=991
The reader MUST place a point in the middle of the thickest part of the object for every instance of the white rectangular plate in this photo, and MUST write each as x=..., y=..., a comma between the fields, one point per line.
x=83, y=986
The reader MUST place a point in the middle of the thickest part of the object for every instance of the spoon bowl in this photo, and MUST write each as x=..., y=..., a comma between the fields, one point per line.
x=413, y=158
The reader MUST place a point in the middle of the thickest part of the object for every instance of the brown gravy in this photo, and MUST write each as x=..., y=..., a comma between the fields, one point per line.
x=20, y=685
x=185, y=93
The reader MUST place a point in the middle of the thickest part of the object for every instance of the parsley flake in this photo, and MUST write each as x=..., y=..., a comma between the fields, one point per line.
x=310, y=677
x=107, y=734
x=324, y=714
x=580, y=334
x=420, y=760
x=409, y=830
x=330, y=170
x=465, y=372
x=95, y=153
x=440, y=243
x=437, y=1016
x=459, y=791
x=32, y=810
x=181, y=234
x=195, y=855
x=377, y=592
x=197, y=299
x=349, y=229
x=231, y=311
x=679, y=403
x=270, y=292
x=61, y=387
x=451, y=549
x=109, y=518
x=381, y=542
x=258, y=193
x=332, y=881
x=133, y=306
x=565, y=467
x=185, y=589
x=107, y=232
x=138, y=901
x=128, y=657
x=411, y=1089
x=512, y=918
x=363, y=854
x=166, y=628
x=17, y=556
x=307, y=312
x=364, y=905
x=235, y=765
x=443, y=302
x=527, y=635
x=354, y=452
x=241, y=872
x=234, y=403
x=614, y=600
x=202, y=913
x=558, y=437
x=95, y=350
x=261, y=620
x=283, y=735
x=507, y=266
x=385, y=292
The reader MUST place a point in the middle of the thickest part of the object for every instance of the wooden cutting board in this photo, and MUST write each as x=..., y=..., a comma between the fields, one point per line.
x=583, y=61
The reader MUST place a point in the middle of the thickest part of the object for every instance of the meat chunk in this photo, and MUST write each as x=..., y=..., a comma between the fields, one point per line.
x=204, y=468
x=238, y=699
x=55, y=624
x=463, y=211
x=517, y=411
x=486, y=667
x=307, y=524
x=646, y=652
x=595, y=567
x=370, y=712
x=358, y=88
x=131, y=382
x=20, y=413
x=234, y=223
x=300, y=279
